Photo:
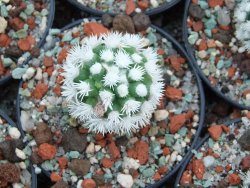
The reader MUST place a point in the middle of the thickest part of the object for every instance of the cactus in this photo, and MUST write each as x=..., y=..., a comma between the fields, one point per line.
x=242, y=19
x=112, y=83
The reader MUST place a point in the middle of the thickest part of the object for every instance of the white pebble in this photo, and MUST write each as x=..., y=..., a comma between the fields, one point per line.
x=173, y=156
x=20, y=154
x=179, y=157
x=152, y=138
x=79, y=184
x=129, y=163
x=126, y=171
x=154, y=3
x=97, y=148
x=22, y=165
x=16, y=185
x=29, y=73
x=138, y=10
x=248, y=96
x=39, y=74
x=73, y=179
x=26, y=122
x=93, y=160
x=196, y=118
x=91, y=148
x=125, y=180
x=3, y=24
x=38, y=170
x=208, y=161
x=14, y=133
x=161, y=115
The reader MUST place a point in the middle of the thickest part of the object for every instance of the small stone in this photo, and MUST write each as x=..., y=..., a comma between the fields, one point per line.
x=60, y=184
x=141, y=22
x=26, y=122
x=54, y=177
x=129, y=163
x=123, y=23
x=125, y=180
x=29, y=73
x=215, y=132
x=8, y=149
x=3, y=24
x=42, y=134
x=20, y=154
x=93, y=28
x=196, y=12
x=160, y=115
x=244, y=140
x=114, y=150
x=154, y=3
x=208, y=161
x=79, y=166
x=214, y=3
x=107, y=163
x=9, y=172
x=35, y=158
x=99, y=179
x=4, y=40
x=198, y=168
x=14, y=133
x=245, y=163
x=88, y=183
x=223, y=36
x=186, y=178
x=176, y=122
x=107, y=20
x=230, y=4
x=13, y=51
x=234, y=179
x=130, y=7
x=46, y=151
x=90, y=148
x=40, y=90
x=72, y=140
x=223, y=17
x=173, y=94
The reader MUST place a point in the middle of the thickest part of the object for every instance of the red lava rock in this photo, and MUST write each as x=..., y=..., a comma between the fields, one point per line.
x=225, y=128
x=48, y=61
x=142, y=151
x=57, y=90
x=2, y=69
x=215, y=132
x=54, y=177
x=157, y=176
x=93, y=28
x=173, y=94
x=24, y=44
x=231, y=72
x=176, y=122
x=42, y=133
x=219, y=169
x=186, y=178
x=174, y=61
x=46, y=151
x=40, y=90
x=143, y=4
x=144, y=130
x=107, y=163
x=166, y=151
x=160, y=51
x=62, y=162
x=246, y=163
x=4, y=40
x=31, y=22
x=189, y=114
x=62, y=55
x=163, y=170
x=214, y=3
x=197, y=26
x=198, y=168
x=114, y=150
x=9, y=173
x=130, y=7
x=202, y=45
x=16, y=23
x=234, y=179
x=88, y=183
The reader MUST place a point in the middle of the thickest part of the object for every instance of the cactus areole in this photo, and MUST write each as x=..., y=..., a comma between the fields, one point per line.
x=112, y=83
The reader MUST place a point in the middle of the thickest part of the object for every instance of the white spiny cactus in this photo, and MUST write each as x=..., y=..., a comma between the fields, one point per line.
x=242, y=19
x=112, y=83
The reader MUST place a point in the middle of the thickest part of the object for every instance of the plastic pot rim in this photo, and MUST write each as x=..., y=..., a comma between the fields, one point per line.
x=32, y=171
x=190, y=51
x=151, y=12
x=182, y=52
x=50, y=19
x=197, y=147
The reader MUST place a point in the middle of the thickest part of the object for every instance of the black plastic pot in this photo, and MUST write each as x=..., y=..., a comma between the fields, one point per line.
x=190, y=52
x=41, y=41
x=151, y=12
x=33, y=174
x=182, y=52
x=197, y=147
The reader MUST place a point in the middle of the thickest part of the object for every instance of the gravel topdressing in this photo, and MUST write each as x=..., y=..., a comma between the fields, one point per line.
x=71, y=154
x=22, y=25
x=211, y=33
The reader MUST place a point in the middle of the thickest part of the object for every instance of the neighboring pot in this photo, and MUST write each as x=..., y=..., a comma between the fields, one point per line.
x=31, y=169
x=195, y=78
x=153, y=11
x=218, y=90
x=50, y=18
x=207, y=139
